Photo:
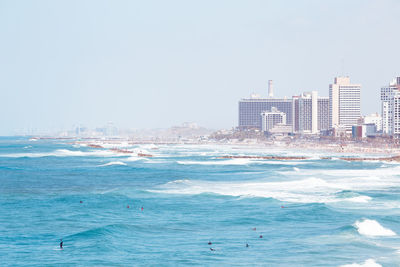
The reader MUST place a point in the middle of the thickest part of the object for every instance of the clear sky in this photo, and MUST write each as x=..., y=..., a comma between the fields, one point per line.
x=151, y=64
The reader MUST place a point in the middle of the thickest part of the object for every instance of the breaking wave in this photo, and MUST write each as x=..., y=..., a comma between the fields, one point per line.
x=64, y=153
x=113, y=163
x=372, y=228
x=240, y=161
x=367, y=263
x=310, y=190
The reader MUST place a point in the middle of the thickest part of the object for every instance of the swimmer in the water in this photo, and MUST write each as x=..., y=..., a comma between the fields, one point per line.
x=61, y=244
x=209, y=242
x=212, y=249
x=261, y=236
x=247, y=245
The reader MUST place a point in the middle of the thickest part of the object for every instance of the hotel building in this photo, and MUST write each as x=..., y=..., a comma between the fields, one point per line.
x=250, y=111
x=390, y=98
x=310, y=113
x=344, y=103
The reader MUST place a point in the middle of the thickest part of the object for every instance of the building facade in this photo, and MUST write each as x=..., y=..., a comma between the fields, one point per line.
x=250, y=111
x=323, y=113
x=310, y=113
x=271, y=118
x=389, y=96
x=344, y=103
x=374, y=118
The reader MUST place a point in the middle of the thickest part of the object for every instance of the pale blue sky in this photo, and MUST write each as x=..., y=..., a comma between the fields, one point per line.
x=150, y=64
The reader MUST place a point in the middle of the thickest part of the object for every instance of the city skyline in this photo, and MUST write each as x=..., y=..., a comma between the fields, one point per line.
x=90, y=62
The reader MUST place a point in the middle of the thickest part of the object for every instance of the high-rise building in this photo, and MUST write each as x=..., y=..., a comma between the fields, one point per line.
x=323, y=113
x=388, y=96
x=310, y=113
x=271, y=118
x=250, y=111
x=344, y=103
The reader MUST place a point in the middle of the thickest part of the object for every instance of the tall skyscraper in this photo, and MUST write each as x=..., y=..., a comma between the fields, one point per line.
x=310, y=113
x=344, y=103
x=390, y=98
x=250, y=110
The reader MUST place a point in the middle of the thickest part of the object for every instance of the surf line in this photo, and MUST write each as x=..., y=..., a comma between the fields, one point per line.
x=394, y=158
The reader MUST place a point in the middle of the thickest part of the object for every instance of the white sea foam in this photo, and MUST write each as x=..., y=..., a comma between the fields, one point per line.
x=66, y=153
x=310, y=190
x=241, y=161
x=367, y=263
x=113, y=163
x=372, y=228
x=135, y=158
x=359, y=199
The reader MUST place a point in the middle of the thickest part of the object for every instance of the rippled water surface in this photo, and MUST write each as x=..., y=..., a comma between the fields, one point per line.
x=309, y=212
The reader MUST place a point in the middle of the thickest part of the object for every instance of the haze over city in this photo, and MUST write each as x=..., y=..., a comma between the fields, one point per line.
x=152, y=64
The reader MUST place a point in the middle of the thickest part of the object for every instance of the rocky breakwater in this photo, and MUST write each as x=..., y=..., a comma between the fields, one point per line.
x=264, y=157
x=393, y=159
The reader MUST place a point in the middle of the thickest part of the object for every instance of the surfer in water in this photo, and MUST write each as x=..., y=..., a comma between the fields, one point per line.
x=247, y=245
x=61, y=244
x=209, y=242
x=212, y=249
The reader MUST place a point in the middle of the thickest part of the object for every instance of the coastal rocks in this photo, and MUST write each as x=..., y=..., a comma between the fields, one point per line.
x=390, y=159
x=394, y=158
x=263, y=157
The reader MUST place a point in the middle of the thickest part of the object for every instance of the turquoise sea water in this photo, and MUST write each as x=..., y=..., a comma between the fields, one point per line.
x=310, y=212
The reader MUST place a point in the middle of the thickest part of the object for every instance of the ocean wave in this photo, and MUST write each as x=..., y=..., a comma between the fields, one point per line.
x=135, y=158
x=367, y=263
x=241, y=161
x=217, y=162
x=310, y=190
x=359, y=199
x=65, y=153
x=113, y=163
x=372, y=228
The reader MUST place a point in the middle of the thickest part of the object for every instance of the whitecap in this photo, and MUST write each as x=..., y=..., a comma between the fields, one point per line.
x=359, y=199
x=301, y=191
x=367, y=263
x=217, y=162
x=372, y=228
x=65, y=153
x=241, y=161
x=113, y=163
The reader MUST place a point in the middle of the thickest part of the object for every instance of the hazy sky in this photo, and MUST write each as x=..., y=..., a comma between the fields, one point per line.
x=149, y=64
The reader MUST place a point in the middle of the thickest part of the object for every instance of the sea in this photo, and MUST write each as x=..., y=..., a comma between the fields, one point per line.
x=188, y=206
